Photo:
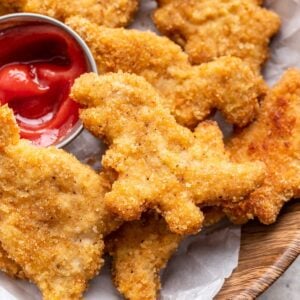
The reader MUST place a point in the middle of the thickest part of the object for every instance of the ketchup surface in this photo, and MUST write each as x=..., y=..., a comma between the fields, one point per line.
x=38, y=65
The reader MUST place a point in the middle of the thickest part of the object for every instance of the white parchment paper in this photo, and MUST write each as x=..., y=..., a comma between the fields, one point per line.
x=198, y=270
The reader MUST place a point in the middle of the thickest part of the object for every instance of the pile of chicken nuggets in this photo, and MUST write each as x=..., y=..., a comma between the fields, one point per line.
x=167, y=171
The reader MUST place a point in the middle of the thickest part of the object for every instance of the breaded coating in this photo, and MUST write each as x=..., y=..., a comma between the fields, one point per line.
x=117, y=13
x=165, y=2
x=141, y=249
x=191, y=93
x=274, y=139
x=52, y=214
x=10, y=6
x=160, y=164
x=212, y=215
x=9, y=266
x=9, y=133
x=207, y=29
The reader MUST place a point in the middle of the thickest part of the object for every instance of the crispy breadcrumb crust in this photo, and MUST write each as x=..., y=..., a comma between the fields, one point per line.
x=117, y=13
x=274, y=139
x=9, y=266
x=212, y=215
x=191, y=93
x=141, y=249
x=9, y=131
x=52, y=215
x=207, y=29
x=10, y=6
x=160, y=164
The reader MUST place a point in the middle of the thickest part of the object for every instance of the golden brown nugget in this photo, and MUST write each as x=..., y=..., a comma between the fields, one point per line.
x=141, y=249
x=274, y=139
x=52, y=214
x=191, y=93
x=207, y=29
x=117, y=13
x=160, y=165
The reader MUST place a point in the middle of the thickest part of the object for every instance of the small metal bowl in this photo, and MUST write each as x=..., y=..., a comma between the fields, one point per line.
x=12, y=20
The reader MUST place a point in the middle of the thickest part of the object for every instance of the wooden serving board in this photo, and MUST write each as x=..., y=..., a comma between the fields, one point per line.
x=266, y=252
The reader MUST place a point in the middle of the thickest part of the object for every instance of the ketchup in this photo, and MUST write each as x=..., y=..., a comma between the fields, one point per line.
x=38, y=65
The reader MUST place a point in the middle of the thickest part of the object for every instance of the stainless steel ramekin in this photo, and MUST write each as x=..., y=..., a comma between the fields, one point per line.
x=12, y=20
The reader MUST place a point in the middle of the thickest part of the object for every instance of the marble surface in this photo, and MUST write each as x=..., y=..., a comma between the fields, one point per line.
x=287, y=287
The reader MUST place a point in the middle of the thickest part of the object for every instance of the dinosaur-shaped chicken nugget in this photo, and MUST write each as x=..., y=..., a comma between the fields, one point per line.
x=141, y=249
x=274, y=138
x=160, y=164
x=191, y=93
x=52, y=215
x=207, y=29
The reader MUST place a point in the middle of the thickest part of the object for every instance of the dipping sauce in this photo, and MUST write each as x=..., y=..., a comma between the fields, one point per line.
x=38, y=65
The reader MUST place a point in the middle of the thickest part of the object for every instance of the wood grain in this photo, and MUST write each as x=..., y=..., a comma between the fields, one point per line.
x=266, y=252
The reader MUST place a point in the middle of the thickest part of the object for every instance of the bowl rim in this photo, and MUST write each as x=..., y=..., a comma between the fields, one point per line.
x=92, y=66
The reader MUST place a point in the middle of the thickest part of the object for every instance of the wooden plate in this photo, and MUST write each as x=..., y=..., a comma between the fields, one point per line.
x=266, y=252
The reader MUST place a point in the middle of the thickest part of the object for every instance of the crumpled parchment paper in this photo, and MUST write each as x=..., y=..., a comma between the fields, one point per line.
x=198, y=269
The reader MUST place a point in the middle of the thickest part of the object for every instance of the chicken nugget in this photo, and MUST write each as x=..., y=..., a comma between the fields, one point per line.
x=191, y=93
x=141, y=249
x=207, y=29
x=159, y=164
x=53, y=216
x=274, y=139
x=117, y=13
